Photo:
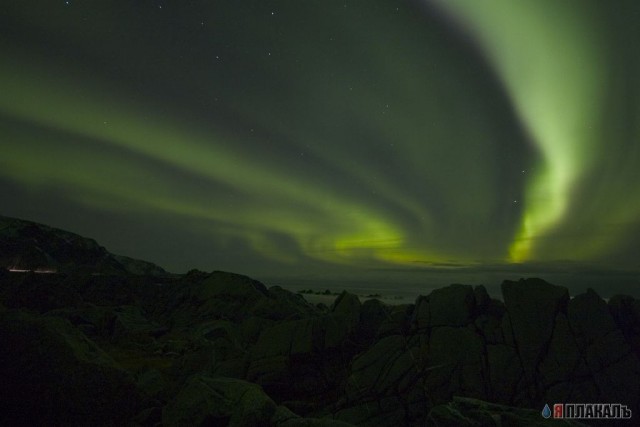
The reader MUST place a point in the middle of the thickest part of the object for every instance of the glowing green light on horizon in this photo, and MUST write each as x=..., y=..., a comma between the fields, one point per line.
x=326, y=226
x=549, y=60
x=401, y=145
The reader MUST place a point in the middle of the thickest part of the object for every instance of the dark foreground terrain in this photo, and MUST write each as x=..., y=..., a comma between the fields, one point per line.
x=116, y=348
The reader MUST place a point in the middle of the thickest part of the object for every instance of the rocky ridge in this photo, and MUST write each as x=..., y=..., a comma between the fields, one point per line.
x=30, y=246
x=223, y=349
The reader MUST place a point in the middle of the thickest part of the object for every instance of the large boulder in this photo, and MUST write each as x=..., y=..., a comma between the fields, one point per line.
x=373, y=314
x=562, y=364
x=51, y=371
x=285, y=304
x=348, y=304
x=39, y=292
x=488, y=316
x=384, y=367
x=306, y=358
x=614, y=367
x=397, y=321
x=130, y=324
x=451, y=306
x=270, y=364
x=454, y=305
x=229, y=296
x=220, y=295
x=230, y=287
x=505, y=372
x=459, y=355
x=533, y=305
x=468, y=412
x=206, y=401
x=221, y=401
x=386, y=383
x=283, y=417
x=626, y=313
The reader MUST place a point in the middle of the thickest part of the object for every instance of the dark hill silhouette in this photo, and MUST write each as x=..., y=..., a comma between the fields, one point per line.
x=27, y=245
x=209, y=349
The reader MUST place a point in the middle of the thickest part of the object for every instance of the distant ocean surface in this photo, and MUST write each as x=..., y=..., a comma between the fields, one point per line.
x=387, y=299
x=405, y=288
x=389, y=294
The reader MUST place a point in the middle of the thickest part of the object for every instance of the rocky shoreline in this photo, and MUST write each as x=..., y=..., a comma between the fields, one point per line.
x=222, y=349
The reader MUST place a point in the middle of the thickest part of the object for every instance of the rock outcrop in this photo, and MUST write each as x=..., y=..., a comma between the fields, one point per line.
x=223, y=349
x=26, y=245
x=53, y=374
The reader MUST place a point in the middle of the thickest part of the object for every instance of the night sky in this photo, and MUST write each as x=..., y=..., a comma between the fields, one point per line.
x=310, y=138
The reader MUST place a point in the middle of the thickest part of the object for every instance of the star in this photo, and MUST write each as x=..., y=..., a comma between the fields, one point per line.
x=178, y=119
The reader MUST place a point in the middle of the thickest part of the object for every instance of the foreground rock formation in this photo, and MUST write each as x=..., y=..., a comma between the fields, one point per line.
x=133, y=345
x=222, y=349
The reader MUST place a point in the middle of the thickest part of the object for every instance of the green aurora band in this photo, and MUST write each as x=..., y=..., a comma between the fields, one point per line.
x=444, y=133
x=551, y=61
x=569, y=69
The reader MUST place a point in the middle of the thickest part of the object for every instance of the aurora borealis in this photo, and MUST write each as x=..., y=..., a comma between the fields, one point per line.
x=312, y=136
